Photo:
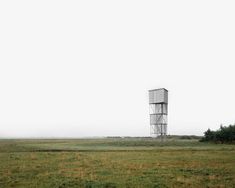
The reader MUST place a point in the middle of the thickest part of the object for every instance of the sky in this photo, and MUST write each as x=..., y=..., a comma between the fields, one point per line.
x=84, y=68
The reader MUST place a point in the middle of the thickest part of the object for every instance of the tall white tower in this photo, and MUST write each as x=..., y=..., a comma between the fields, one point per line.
x=158, y=110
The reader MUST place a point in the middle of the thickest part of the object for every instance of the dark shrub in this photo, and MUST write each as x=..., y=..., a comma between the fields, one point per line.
x=223, y=135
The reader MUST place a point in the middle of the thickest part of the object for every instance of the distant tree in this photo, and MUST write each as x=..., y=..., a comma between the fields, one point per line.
x=223, y=135
x=208, y=135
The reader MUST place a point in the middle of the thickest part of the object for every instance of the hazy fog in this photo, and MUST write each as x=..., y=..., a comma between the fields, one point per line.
x=84, y=68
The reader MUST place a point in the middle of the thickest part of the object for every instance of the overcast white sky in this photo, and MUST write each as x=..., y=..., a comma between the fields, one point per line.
x=84, y=68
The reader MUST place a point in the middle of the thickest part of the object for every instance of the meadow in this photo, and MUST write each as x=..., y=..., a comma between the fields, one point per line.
x=115, y=162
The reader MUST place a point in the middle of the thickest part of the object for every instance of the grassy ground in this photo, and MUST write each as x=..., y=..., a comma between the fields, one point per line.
x=115, y=163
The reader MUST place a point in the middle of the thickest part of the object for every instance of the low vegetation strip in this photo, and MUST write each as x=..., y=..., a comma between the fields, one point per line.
x=223, y=135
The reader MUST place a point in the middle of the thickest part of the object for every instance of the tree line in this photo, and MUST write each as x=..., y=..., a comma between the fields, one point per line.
x=222, y=135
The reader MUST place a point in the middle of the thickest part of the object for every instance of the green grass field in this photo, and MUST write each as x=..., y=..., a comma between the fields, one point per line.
x=124, y=162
